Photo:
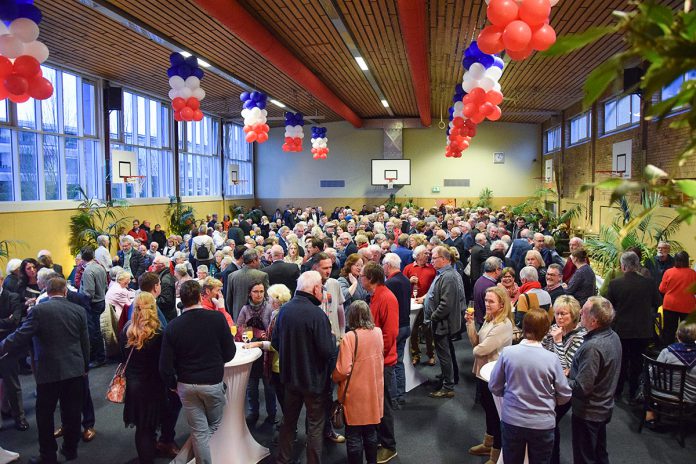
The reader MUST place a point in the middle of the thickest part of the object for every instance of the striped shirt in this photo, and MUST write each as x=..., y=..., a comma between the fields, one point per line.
x=568, y=346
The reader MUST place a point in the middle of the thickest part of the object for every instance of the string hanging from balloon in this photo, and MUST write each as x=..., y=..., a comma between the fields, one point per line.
x=254, y=114
x=21, y=53
x=319, y=142
x=294, y=132
x=185, y=77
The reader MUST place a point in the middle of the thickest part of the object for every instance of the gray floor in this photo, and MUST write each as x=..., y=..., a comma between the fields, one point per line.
x=427, y=430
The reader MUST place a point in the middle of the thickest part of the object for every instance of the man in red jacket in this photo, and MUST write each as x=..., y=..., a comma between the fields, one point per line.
x=385, y=314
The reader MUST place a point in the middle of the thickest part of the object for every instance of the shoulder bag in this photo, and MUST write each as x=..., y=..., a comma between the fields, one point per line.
x=117, y=387
x=338, y=417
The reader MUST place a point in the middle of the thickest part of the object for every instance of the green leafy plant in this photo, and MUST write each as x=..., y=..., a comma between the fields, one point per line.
x=392, y=203
x=533, y=209
x=181, y=217
x=94, y=218
x=485, y=198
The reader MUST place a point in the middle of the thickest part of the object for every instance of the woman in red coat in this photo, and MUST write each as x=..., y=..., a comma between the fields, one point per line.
x=678, y=300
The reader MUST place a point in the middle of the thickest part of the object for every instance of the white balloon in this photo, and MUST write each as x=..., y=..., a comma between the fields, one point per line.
x=494, y=73
x=192, y=82
x=199, y=93
x=467, y=86
x=36, y=49
x=11, y=46
x=24, y=29
x=255, y=111
x=173, y=93
x=184, y=92
x=288, y=134
x=245, y=113
x=176, y=82
x=497, y=87
x=458, y=106
x=477, y=70
x=3, y=29
x=487, y=84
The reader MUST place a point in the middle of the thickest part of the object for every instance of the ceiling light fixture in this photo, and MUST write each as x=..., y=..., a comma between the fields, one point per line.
x=185, y=54
x=361, y=63
x=277, y=103
x=385, y=103
x=203, y=64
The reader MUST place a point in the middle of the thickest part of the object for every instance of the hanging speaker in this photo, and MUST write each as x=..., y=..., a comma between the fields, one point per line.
x=113, y=98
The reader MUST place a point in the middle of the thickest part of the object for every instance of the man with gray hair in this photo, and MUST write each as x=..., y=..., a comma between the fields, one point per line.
x=166, y=300
x=203, y=247
x=479, y=253
x=280, y=272
x=93, y=284
x=635, y=302
x=594, y=375
x=492, y=269
x=129, y=259
x=102, y=254
x=238, y=282
x=569, y=269
x=399, y=285
x=305, y=346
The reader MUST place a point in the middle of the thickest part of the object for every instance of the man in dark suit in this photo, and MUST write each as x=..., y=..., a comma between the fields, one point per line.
x=280, y=272
x=479, y=253
x=236, y=233
x=635, y=302
x=10, y=315
x=519, y=248
x=130, y=259
x=239, y=281
x=400, y=286
x=61, y=351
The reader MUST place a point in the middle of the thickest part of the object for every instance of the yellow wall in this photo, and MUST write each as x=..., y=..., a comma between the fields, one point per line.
x=37, y=230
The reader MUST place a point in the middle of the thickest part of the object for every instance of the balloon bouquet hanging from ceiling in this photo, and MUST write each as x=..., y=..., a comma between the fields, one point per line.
x=21, y=54
x=186, y=93
x=518, y=27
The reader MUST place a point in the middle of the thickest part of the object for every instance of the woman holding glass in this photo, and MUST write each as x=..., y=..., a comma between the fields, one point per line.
x=494, y=335
x=349, y=279
x=253, y=321
x=564, y=339
x=360, y=374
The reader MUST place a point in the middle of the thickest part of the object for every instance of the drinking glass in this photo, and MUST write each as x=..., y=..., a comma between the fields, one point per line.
x=234, y=330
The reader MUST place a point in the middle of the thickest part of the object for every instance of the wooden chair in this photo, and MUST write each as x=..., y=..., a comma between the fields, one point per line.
x=664, y=393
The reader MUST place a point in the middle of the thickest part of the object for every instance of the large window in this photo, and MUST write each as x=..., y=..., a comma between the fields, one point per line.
x=199, y=158
x=552, y=139
x=143, y=129
x=621, y=112
x=580, y=128
x=48, y=147
x=239, y=158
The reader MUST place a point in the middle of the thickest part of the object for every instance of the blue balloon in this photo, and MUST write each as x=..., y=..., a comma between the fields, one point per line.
x=450, y=110
x=24, y=2
x=249, y=104
x=467, y=62
x=261, y=104
x=8, y=11
x=184, y=71
x=244, y=96
x=299, y=115
x=198, y=72
x=256, y=96
x=29, y=11
x=192, y=61
x=176, y=59
x=498, y=62
x=487, y=61
x=171, y=72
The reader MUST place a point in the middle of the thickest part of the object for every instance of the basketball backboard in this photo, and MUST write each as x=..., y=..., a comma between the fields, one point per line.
x=391, y=171
x=124, y=165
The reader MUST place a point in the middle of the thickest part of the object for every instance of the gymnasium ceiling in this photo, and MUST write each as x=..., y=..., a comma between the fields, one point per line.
x=130, y=51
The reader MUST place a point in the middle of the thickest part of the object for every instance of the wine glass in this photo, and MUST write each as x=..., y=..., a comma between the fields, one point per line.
x=234, y=330
x=245, y=337
x=250, y=335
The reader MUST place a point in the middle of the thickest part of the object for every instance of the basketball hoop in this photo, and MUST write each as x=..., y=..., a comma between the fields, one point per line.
x=138, y=182
x=390, y=182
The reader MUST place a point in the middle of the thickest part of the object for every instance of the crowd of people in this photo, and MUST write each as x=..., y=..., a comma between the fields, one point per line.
x=328, y=297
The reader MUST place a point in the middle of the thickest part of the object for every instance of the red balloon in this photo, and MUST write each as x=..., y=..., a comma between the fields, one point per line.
x=193, y=103
x=288, y=139
x=247, y=129
x=517, y=36
x=266, y=127
x=502, y=12
x=16, y=84
x=520, y=55
x=478, y=118
x=5, y=66
x=251, y=137
x=27, y=66
x=486, y=109
x=178, y=103
x=495, y=115
x=297, y=141
x=286, y=147
x=458, y=122
x=494, y=97
x=3, y=92
x=177, y=116
x=197, y=115
x=543, y=38
x=257, y=127
x=19, y=98
x=40, y=88
x=490, y=40
x=261, y=137
x=477, y=95
x=187, y=113
x=535, y=12
x=469, y=110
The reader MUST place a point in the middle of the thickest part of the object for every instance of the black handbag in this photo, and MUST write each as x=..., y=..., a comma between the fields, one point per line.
x=338, y=417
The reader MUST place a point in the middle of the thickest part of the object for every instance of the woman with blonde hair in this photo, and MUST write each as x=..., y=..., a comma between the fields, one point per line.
x=145, y=399
x=293, y=255
x=494, y=335
x=533, y=258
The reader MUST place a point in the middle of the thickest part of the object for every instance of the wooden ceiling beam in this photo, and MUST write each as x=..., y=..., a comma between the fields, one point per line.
x=412, y=16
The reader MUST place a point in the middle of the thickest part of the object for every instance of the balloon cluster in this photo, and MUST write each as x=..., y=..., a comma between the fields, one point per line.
x=293, y=131
x=518, y=26
x=319, y=148
x=476, y=99
x=254, y=114
x=186, y=93
x=21, y=54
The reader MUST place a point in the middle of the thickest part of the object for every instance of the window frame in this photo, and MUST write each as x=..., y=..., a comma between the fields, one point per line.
x=587, y=116
x=548, y=132
x=633, y=120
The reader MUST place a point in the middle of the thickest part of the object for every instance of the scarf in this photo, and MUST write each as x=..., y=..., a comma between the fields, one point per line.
x=527, y=286
x=512, y=291
x=686, y=353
